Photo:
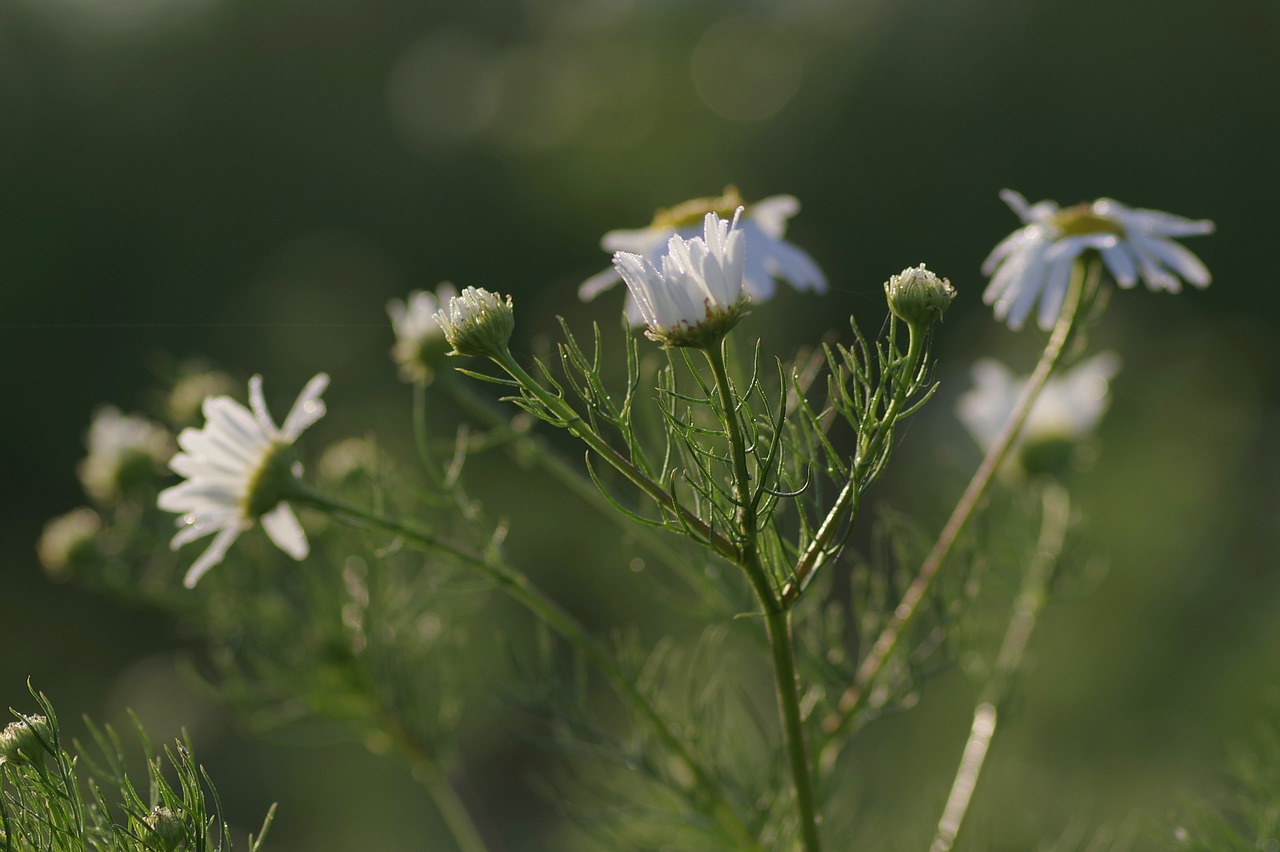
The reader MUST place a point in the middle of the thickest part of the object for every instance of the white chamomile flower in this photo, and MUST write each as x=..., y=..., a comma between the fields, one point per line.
x=239, y=469
x=124, y=450
x=420, y=342
x=1068, y=409
x=767, y=256
x=698, y=294
x=1033, y=264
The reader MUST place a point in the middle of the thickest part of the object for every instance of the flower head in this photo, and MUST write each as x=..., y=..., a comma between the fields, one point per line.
x=239, y=469
x=766, y=255
x=917, y=296
x=1067, y=410
x=420, y=342
x=20, y=741
x=477, y=322
x=124, y=451
x=69, y=542
x=1034, y=263
x=698, y=294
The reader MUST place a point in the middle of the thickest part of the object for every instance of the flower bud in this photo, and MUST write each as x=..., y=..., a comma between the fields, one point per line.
x=125, y=451
x=69, y=543
x=168, y=828
x=20, y=740
x=918, y=297
x=477, y=322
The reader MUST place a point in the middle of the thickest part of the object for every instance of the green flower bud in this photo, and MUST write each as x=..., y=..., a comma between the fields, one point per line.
x=168, y=829
x=20, y=740
x=918, y=297
x=477, y=322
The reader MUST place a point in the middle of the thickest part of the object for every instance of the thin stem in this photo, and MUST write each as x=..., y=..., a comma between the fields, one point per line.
x=549, y=461
x=871, y=440
x=420, y=438
x=906, y=611
x=518, y=586
x=455, y=813
x=777, y=616
x=577, y=426
x=428, y=771
x=1027, y=607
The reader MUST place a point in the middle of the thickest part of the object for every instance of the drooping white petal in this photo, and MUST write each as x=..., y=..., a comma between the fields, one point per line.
x=215, y=553
x=282, y=527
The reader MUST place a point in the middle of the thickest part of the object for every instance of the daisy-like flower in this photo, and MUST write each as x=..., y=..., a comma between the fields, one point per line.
x=767, y=256
x=420, y=342
x=1067, y=410
x=698, y=294
x=124, y=450
x=1034, y=263
x=239, y=470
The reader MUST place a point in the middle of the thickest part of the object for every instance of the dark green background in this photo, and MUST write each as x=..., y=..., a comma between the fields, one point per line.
x=251, y=181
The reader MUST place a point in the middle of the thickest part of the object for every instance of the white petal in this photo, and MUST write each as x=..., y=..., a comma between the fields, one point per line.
x=1120, y=262
x=258, y=405
x=597, y=284
x=282, y=527
x=307, y=408
x=214, y=554
x=1055, y=291
x=772, y=213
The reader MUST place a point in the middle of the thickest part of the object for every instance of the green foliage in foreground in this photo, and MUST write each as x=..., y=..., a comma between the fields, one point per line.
x=52, y=799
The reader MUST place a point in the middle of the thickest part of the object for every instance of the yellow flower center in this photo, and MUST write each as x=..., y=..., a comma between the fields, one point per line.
x=692, y=212
x=1080, y=221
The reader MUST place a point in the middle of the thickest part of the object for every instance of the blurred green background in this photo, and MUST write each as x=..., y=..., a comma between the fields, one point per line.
x=251, y=181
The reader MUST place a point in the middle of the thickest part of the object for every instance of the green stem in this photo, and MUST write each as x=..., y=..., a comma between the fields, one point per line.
x=871, y=441
x=578, y=427
x=1027, y=607
x=535, y=449
x=519, y=587
x=906, y=611
x=777, y=616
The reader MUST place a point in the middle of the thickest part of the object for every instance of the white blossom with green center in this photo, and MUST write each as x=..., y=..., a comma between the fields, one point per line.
x=1033, y=264
x=697, y=295
x=766, y=255
x=238, y=470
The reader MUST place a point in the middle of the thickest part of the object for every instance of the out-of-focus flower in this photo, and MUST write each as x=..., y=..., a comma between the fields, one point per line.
x=239, y=469
x=124, y=451
x=477, y=322
x=918, y=297
x=698, y=294
x=69, y=542
x=194, y=384
x=766, y=255
x=420, y=341
x=1033, y=264
x=1066, y=412
x=348, y=460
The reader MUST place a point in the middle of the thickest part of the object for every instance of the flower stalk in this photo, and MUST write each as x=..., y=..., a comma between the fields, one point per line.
x=908, y=608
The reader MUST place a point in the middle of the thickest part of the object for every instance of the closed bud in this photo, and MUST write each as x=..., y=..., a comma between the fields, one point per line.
x=918, y=297
x=168, y=829
x=20, y=741
x=477, y=322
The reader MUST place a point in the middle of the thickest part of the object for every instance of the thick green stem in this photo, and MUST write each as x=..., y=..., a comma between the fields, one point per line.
x=518, y=586
x=909, y=607
x=1028, y=605
x=777, y=616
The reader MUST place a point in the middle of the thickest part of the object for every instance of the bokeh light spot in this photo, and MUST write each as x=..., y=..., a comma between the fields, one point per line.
x=746, y=69
x=444, y=90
